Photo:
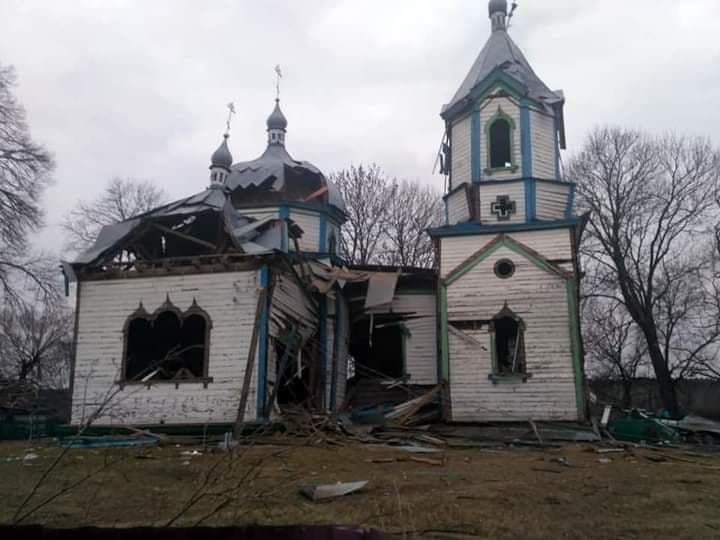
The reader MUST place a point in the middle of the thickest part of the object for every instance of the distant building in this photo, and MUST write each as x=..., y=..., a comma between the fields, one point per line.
x=235, y=303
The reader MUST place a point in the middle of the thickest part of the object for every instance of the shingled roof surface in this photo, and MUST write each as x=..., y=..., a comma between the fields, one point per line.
x=500, y=51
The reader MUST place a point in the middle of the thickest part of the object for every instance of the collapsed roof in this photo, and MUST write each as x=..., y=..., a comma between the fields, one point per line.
x=204, y=224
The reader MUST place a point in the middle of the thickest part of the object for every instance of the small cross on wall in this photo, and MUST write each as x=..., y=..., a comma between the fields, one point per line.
x=503, y=207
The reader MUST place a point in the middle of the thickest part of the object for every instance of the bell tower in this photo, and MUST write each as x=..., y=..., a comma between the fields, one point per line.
x=510, y=341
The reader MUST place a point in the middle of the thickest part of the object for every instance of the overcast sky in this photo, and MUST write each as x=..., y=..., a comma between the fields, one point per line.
x=138, y=88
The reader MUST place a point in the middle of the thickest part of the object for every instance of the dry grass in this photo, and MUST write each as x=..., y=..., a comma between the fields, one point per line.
x=483, y=493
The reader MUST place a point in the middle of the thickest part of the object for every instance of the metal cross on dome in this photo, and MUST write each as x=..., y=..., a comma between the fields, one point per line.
x=503, y=207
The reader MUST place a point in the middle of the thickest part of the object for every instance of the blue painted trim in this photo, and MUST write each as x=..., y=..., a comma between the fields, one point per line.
x=263, y=346
x=571, y=202
x=497, y=77
x=472, y=228
x=475, y=146
x=528, y=188
x=323, y=346
x=331, y=211
x=525, y=139
x=447, y=212
x=323, y=233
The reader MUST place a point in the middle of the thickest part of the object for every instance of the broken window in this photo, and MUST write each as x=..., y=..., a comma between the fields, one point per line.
x=500, y=134
x=378, y=348
x=168, y=345
x=508, y=343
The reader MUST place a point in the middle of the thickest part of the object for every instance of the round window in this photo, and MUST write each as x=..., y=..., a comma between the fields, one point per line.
x=504, y=268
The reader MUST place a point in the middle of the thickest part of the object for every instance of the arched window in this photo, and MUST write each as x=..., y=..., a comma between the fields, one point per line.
x=508, y=343
x=168, y=345
x=500, y=131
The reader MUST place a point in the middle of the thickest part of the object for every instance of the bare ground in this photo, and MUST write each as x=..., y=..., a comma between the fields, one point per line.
x=475, y=493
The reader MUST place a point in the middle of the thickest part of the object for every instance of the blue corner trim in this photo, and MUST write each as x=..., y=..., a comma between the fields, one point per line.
x=475, y=146
x=262, y=346
x=323, y=346
x=525, y=139
x=323, y=233
x=571, y=202
x=530, y=200
x=473, y=228
x=447, y=212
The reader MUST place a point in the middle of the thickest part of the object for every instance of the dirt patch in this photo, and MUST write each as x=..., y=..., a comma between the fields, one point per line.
x=572, y=492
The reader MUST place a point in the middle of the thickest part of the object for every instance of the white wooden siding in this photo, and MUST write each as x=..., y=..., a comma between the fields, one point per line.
x=488, y=195
x=552, y=200
x=542, y=128
x=309, y=222
x=229, y=299
x=553, y=244
x=540, y=299
x=458, y=211
x=461, y=155
x=421, y=346
x=488, y=112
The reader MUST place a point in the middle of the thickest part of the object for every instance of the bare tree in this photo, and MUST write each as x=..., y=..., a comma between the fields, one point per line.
x=25, y=172
x=651, y=200
x=36, y=342
x=414, y=209
x=367, y=193
x=122, y=199
x=615, y=349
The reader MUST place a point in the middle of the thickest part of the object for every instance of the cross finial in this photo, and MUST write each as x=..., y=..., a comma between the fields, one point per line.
x=231, y=112
x=278, y=73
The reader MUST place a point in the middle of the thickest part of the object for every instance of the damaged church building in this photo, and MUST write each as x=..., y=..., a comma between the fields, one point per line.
x=235, y=304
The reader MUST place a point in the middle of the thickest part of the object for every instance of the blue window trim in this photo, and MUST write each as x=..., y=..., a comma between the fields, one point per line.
x=262, y=350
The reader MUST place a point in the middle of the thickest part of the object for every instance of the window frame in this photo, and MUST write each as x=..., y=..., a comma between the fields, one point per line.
x=500, y=115
x=496, y=376
x=167, y=307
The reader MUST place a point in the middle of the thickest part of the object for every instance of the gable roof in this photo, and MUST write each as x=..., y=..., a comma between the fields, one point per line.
x=498, y=242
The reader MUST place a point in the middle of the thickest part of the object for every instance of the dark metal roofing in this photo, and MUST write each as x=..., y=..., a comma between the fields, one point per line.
x=250, y=235
x=271, y=171
x=501, y=52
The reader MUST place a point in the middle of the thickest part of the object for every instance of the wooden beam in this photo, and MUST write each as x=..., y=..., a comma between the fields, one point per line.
x=184, y=236
x=250, y=365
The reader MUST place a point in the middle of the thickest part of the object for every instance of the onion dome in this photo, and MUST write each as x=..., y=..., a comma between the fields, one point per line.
x=222, y=158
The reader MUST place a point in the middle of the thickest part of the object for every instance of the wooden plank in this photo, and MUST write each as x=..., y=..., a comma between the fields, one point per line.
x=247, y=380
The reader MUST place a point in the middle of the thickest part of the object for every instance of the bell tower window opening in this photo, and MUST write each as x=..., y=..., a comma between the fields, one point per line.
x=500, y=144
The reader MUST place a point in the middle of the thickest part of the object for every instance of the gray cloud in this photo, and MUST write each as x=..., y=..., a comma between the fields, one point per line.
x=138, y=89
